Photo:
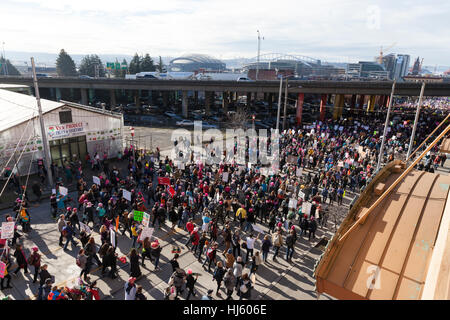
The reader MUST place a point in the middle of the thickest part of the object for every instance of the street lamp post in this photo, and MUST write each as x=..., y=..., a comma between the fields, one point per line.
x=279, y=102
x=133, y=147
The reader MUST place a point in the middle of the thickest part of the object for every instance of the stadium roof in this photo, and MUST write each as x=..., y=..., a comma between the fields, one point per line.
x=199, y=58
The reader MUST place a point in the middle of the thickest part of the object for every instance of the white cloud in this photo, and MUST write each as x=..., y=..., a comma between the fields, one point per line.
x=324, y=29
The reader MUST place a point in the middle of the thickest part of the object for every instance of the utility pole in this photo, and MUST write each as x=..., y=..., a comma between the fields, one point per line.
x=5, y=67
x=47, y=156
x=285, y=104
x=411, y=141
x=279, y=102
x=257, y=63
x=386, y=123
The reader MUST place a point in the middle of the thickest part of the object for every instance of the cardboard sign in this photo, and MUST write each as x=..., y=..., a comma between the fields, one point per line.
x=146, y=232
x=299, y=172
x=63, y=191
x=145, y=219
x=126, y=194
x=164, y=180
x=181, y=165
x=292, y=203
x=96, y=180
x=2, y=269
x=7, y=230
x=171, y=191
x=225, y=176
x=138, y=215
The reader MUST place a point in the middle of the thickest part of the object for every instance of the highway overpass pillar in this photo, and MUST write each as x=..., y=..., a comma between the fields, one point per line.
x=225, y=101
x=91, y=95
x=371, y=103
x=196, y=97
x=323, y=102
x=338, y=105
x=165, y=95
x=300, y=99
x=249, y=98
x=137, y=98
x=209, y=100
x=58, y=94
x=353, y=102
x=184, y=104
x=112, y=98
x=361, y=101
x=84, y=97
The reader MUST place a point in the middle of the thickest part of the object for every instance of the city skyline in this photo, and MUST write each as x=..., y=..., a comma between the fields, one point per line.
x=348, y=32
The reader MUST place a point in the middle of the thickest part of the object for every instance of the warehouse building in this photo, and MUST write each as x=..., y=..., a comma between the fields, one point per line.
x=73, y=130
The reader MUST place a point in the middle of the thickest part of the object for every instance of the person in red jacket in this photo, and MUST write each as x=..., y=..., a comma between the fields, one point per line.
x=56, y=294
x=93, y=292
x=189, y=227
x=195, y=239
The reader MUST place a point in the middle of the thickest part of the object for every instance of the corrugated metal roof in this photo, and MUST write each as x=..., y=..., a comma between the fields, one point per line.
x=388, y=256
x=16, y=108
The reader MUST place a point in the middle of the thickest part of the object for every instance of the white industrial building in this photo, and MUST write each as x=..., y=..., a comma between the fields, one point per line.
x=72, y=130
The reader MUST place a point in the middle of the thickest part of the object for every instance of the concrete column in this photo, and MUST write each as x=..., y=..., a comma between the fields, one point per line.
x=84, y=97
x=249, y=98
x=300, y=99
x=225, y=101
x=165, y=96
x=58, y=94
x=361, y=101
x=196, y=97
x=112, y=98
x=386, y=101
x=329, y=98
x=371, y=103
x=353, y=102
x=323, y=102
x=184, y=104
x=91, y=95
x=209, y=100
x=338, y=105
x=137, y=99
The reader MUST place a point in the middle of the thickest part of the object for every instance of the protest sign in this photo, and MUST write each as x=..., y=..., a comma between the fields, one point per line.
x=145, y=219
x=181, y=165
x=146, y=232
x=7, y=230
x=225, y=176
x=301, y=194
x=164, y=180
x=112, y=236
x=171, y=191
x=63, y=191
x=306, y=208
x=299, y=172
x=2, y=269
x=96, y=180
x=127, y=194
x=292, y=203
x=138, y=215
x=85, y=227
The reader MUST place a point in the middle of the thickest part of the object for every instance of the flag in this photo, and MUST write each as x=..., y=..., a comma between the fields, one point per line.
x=117, y=223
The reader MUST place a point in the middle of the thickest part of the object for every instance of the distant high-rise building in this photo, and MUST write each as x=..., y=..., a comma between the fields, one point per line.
x=416, y=67
x=401, y=67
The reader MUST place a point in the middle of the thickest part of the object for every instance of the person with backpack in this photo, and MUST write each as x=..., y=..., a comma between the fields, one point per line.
x=312, y=228
x=81, y=262
x=265, y=247
x=290, y=243
x=218, y=275
x=178, y=280
x=21, y=260
x=244, y=287
x=68, y=233
x=238, y=266
x=35, y=261
x=190, y=283
x=229, y=280
x=277, y=241
x=91, y=252
x=210, y=256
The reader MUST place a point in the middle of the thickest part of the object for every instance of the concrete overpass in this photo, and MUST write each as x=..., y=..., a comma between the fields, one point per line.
x=360, y=94
x=315, y=87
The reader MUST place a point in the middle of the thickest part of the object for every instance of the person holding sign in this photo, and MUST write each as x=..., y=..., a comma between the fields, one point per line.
x=6, y=263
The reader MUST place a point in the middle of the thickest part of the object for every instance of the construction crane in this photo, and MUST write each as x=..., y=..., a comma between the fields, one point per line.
x=380, y=57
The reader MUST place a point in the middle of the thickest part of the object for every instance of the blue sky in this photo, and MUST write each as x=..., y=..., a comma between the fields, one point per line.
x=339, y=31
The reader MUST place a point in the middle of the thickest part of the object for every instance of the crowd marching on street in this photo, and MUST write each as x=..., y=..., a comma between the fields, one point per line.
x=222, y=208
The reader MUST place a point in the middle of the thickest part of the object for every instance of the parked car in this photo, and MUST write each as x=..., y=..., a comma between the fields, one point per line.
x=83, y=76
x=207, y=125
x=185, y=123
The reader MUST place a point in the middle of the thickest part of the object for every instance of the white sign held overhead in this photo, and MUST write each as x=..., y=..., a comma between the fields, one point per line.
x=146, y=232
x=112, y=235
x=225, y=176
x=96, y=180
x=85, y=227
x=7, y=230
x=306, y=208
x=257, y=228
x=299, y=172
x=292, y=203
x=126, y=194
x=145, y=219
x=301, y=194
x=63, y=191
x=181, y=165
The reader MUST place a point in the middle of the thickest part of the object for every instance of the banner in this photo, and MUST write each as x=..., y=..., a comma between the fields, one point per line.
x=126, y=194
x=65, y=130
x=171, y=191
x=146, y=232
x=7, y=230
x=138, y=215
x=145, y=219
x=63, y=191
x=96, y=180
x=164, y=180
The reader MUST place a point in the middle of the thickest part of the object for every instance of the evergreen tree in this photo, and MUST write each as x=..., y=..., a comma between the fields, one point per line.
x=7, y=68
x=147, y=64
x=65, y=66
x=135, y=65
x=160, y=65
x=88, y=63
